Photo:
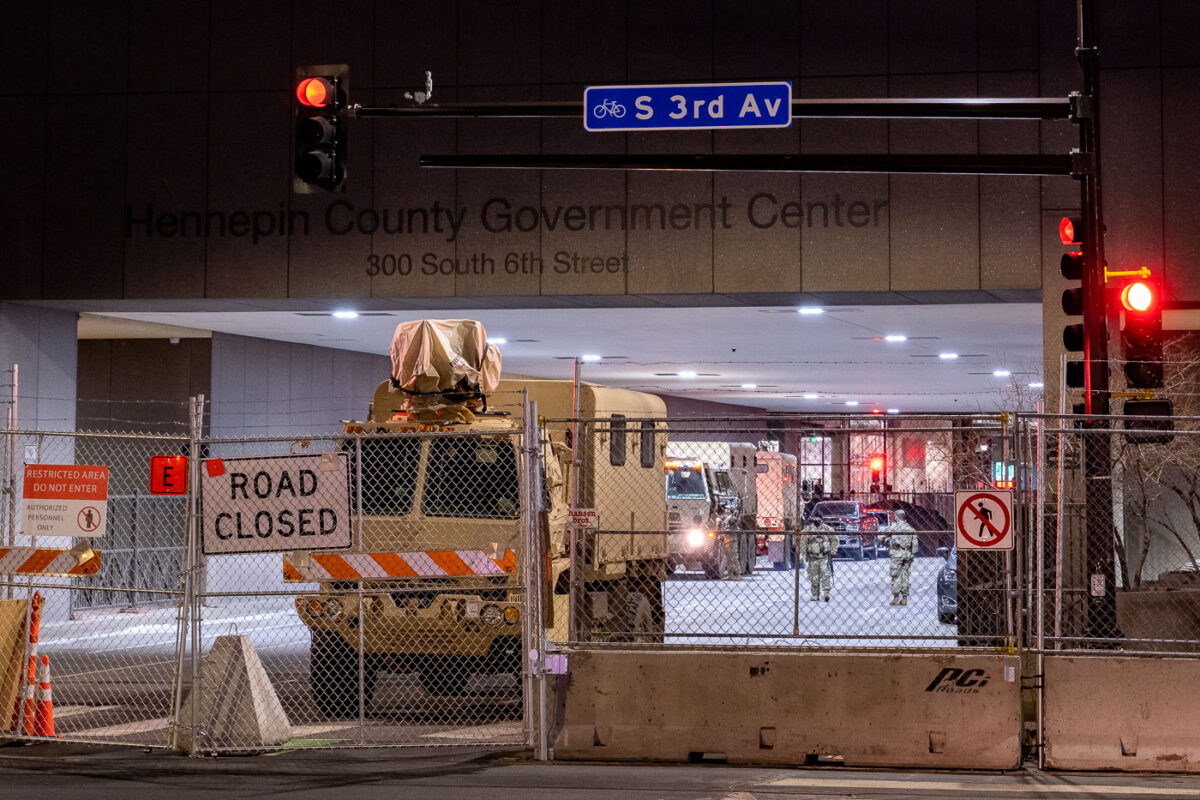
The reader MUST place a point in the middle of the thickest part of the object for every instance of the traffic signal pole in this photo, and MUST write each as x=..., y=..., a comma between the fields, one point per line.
x=1097, y=446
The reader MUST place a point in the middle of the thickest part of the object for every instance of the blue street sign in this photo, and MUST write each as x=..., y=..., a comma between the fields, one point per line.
x=698, y=106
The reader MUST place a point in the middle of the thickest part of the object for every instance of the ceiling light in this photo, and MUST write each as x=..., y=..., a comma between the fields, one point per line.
x=589, y=357
x=1002, y=373
x=749, y=385
x=896, y=411
x=895, y=337
x=497, y=340
x=1036, y=385
x=687, y=373
x=948, y=356
x=346, y=314
x=810, y=310
x=851, y=402
x=810, y=396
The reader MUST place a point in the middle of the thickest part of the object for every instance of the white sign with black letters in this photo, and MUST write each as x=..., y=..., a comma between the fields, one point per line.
x=275, y=504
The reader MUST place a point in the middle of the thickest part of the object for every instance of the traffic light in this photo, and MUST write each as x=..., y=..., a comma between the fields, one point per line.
x=1070, y=231
x=876, y=464
x=1141, y=335
x=322, y=114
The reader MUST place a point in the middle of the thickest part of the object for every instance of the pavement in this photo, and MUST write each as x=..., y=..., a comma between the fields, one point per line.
x=55, y=771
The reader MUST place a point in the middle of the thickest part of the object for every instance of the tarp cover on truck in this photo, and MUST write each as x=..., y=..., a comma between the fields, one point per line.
x=432, y=356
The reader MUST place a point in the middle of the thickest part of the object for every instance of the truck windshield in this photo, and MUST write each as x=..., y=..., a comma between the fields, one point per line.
x=839, y=509
x=684, y=482
x=389, y=474
x=472, y=478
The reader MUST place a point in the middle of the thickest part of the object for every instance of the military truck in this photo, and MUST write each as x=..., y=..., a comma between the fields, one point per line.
x=432, y=583
x=711, y=503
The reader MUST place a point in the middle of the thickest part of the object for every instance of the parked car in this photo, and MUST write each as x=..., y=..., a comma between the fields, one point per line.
x=947, y=586
x=857, y=528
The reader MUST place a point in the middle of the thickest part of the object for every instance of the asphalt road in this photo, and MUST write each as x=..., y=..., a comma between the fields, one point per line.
x=67, y=772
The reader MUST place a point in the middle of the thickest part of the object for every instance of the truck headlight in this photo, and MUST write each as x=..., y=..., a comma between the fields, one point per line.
x=491, y=615
x=695, y=537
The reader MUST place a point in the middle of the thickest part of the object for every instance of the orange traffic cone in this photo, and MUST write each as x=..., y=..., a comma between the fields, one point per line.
x=43, y=724
x=24, y=708
x=28, y=707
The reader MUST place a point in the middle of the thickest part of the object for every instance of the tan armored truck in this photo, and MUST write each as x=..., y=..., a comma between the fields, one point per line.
x=443, y=515
x=711, y=506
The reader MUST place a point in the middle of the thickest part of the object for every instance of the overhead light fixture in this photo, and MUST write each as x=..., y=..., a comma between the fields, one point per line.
x=686, y=373
x=345, y=314
x=810, y=310
x=749, y=385
x=1036, y=385
x=810, y=396
x=896, y=411
x=851, y=402
x=1002, y=373
x=497, y=340
x=589, y=357
x=895, y=337
x=947, y=356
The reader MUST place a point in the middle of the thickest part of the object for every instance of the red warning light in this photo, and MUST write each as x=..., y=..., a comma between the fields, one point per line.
x=1137, y=296
x=876, y=464
x=1066, y=230
x=315, y=92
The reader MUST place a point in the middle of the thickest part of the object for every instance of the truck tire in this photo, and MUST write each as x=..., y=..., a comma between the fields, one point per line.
x=718, y=570
x=333, y=676
x=749, y=548
x=444, y=676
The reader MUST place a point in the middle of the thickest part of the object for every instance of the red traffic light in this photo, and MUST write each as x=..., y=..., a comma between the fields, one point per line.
x=1067, y=230
x=315, y=92
x=1138, y=296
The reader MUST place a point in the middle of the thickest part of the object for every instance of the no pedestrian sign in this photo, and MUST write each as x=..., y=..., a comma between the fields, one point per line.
x=983, y=520
x=65, y=500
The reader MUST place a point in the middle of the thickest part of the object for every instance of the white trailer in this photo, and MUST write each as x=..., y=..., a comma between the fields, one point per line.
x=776, y=488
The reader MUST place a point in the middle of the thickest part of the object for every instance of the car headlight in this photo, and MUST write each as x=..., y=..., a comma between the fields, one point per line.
x=491, y=615
x=695, y=537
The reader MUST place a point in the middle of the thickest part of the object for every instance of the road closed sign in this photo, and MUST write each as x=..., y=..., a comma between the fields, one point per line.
x=275, y=504
x=65, y=500
x=983, y=520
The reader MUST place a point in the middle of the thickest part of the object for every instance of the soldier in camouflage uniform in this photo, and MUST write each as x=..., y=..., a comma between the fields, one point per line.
x=902, y=544
x=820, y=545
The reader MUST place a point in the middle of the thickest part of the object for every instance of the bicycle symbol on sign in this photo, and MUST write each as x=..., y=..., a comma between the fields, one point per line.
x=609, y=107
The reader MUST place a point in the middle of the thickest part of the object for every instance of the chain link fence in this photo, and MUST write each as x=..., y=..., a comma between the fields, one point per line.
x=114, y=676
x=787, y=531
x=1121, y=511
x=396, y=584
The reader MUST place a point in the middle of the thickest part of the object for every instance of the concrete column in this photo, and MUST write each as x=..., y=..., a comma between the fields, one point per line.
x=42, y=342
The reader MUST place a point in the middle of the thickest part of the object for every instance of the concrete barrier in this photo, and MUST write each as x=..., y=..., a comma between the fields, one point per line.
x=902, y=710
x=239, y=709
x=1111, y=713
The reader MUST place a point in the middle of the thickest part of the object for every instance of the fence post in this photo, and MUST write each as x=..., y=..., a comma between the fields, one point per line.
x=195, y=566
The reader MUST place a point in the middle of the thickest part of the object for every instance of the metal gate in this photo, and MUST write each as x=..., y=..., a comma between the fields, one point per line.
x=1116, y=612
x=745, y=562
x=417, y=633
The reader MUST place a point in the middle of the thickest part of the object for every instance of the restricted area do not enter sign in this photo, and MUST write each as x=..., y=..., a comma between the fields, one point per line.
x=983, y=520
